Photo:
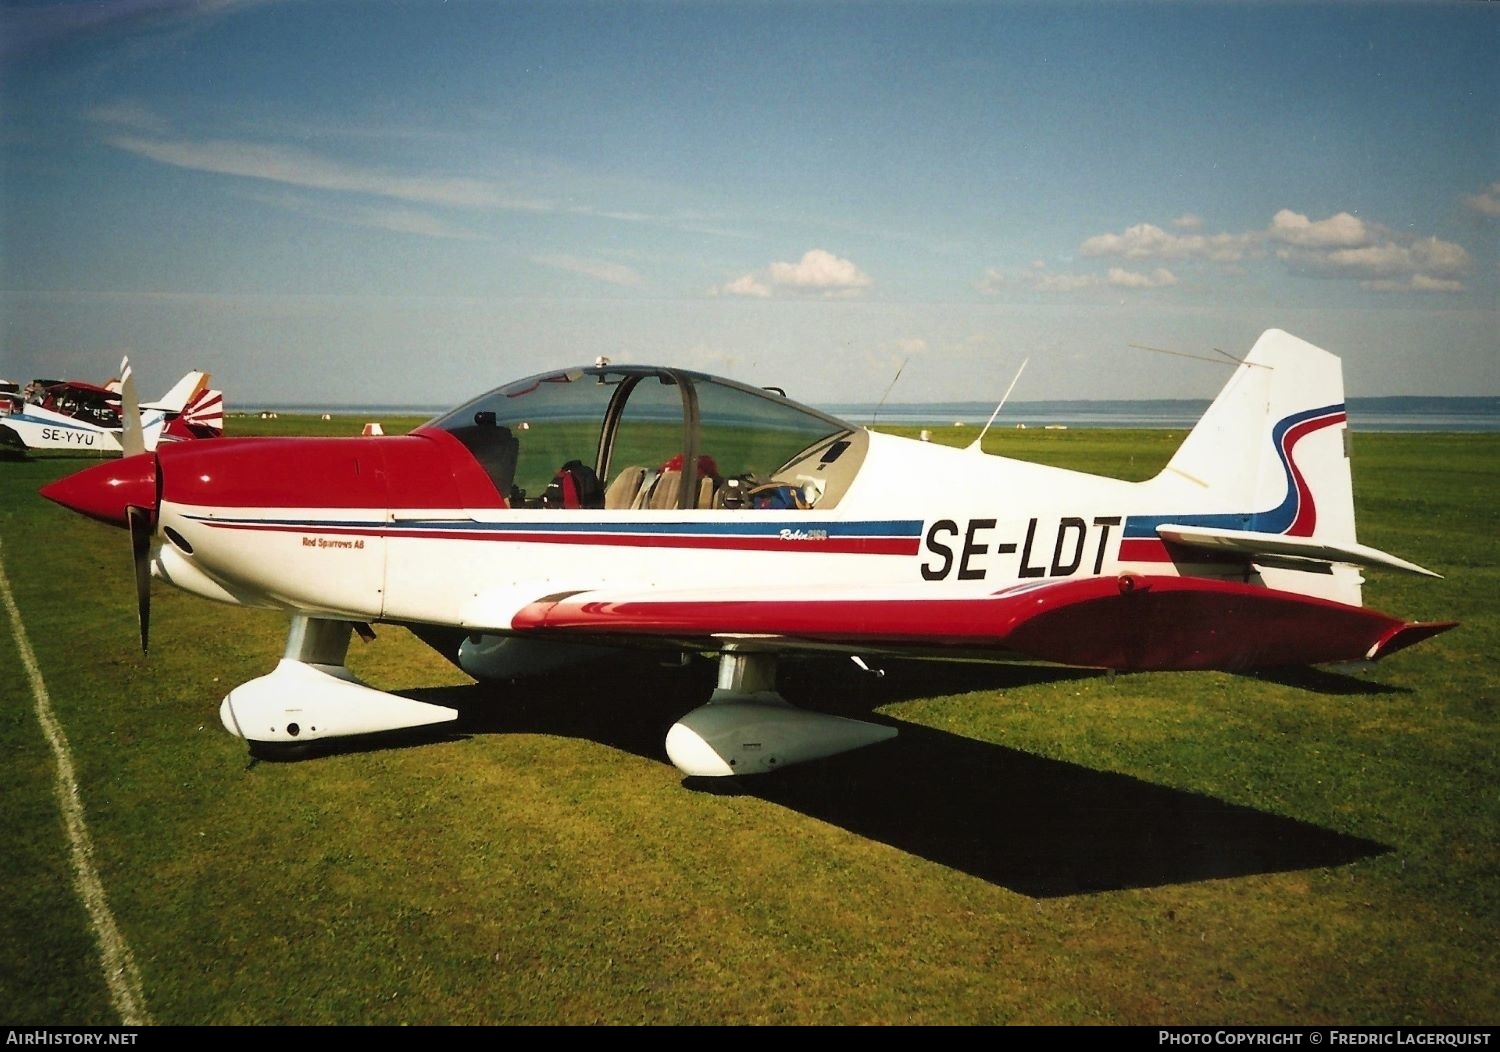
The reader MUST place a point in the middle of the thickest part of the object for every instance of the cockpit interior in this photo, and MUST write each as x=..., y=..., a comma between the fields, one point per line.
x=641, y=437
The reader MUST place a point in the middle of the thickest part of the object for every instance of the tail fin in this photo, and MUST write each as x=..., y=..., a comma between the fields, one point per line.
x=1269, y=465
x=1274, y=443
x=188, y=388
x=202, y=417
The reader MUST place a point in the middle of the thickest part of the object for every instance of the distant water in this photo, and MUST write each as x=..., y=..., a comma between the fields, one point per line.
x=372, y=411
x=1401, y=413
x=1365, y=414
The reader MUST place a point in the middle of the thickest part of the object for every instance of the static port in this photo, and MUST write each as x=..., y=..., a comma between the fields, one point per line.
x=293, y=729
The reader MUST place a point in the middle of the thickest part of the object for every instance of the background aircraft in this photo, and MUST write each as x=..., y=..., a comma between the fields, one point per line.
x=72, y=414
x=563, y=516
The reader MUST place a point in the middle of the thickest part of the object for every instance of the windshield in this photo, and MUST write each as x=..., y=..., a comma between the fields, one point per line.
x=669, y=437
x=81, y=403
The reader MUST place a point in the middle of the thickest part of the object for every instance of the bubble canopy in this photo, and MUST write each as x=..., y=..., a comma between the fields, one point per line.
x=616, y=418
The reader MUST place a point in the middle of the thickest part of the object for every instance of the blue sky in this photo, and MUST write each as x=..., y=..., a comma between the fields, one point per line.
x=410, y=202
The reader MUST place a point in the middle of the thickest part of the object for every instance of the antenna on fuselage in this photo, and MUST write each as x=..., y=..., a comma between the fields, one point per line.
x=975, y=444
x=1227, y=359
x=889, y=387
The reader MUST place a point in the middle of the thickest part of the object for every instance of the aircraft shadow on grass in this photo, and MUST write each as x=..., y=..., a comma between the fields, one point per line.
x=1037, y=826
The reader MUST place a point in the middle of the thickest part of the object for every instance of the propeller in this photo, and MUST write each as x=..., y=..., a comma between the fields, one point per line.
x=133, y=441
x=141, y=529
x=132, y=436
x=126, y=493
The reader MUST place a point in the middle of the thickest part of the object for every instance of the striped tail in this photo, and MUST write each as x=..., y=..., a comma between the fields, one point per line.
x=202, y=417
x=1268, y=463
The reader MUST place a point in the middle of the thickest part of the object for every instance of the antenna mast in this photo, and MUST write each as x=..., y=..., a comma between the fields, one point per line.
x=975, y=444
x=1227, y=359
x=889, y=388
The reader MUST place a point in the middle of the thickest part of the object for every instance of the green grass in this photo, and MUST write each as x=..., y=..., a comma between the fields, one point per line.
x=1034, y=847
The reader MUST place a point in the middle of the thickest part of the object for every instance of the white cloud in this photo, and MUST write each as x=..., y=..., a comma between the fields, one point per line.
x=818, y=271
x=1416, y=283
x=1338, y=231
x=993, y=279
x=911, y=345
x=141, y=133
x=281, y=164
x=1148, y=241
x=598, y=269
x=709, y=359
x=1039, y=279
x=1487, y=201
x=1388, y=258
x=1342, y=245
x=410, y=221
x=1064, y=282
x=29, y=28
x=1129, y=279
x=747, y=285
x=1428, y=265
x=1436, y=256
x=1431, y=255
x=399, y=219
x=130, y=114
x=1188, y=221
x=1422, y=283
x=1141, y=240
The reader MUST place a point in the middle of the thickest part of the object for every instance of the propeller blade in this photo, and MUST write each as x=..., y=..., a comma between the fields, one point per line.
x=140, y=551
x=132, y=436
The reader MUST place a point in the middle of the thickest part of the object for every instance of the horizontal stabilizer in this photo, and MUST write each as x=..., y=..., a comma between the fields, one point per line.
x=1250, y=543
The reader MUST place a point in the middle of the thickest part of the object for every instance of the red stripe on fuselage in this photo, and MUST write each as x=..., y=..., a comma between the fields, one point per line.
x=834, y=545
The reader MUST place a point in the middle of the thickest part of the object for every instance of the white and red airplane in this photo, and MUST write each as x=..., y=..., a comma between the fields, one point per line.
x=593, y=508
x=71, y=414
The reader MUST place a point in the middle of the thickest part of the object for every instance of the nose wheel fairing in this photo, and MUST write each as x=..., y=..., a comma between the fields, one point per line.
x=310, y=695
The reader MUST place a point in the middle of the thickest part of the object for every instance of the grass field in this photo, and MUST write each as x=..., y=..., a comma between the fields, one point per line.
x=1035, y=847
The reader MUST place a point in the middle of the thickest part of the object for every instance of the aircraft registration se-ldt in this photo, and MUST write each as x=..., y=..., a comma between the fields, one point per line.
x=566, y=515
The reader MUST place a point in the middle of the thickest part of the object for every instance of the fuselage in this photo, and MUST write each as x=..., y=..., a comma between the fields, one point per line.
x=636, y=479
x=40, y=428
x=410, y=529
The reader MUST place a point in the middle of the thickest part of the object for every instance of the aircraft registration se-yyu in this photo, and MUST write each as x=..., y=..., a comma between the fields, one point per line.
x=71, y=414
x=576, y=511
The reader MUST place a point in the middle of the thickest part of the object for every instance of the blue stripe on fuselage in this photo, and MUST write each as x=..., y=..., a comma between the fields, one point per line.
x=757, y=528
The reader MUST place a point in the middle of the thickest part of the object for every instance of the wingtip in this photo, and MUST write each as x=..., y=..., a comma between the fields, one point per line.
x=1407, y=634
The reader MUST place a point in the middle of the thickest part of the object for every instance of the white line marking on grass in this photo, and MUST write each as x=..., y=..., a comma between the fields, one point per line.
x=120, y=973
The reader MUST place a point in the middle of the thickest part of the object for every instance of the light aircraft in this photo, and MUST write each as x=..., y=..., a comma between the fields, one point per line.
x=72, y=414
x=558, y=518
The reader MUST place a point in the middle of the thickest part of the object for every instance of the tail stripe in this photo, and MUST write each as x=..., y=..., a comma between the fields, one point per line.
x=1299, y=494
x=1296, y=515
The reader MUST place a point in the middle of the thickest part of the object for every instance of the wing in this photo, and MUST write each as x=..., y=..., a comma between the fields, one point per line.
x=1129, y=622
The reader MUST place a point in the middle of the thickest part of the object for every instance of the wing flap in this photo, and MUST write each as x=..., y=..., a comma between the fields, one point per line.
x=1130, y=622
